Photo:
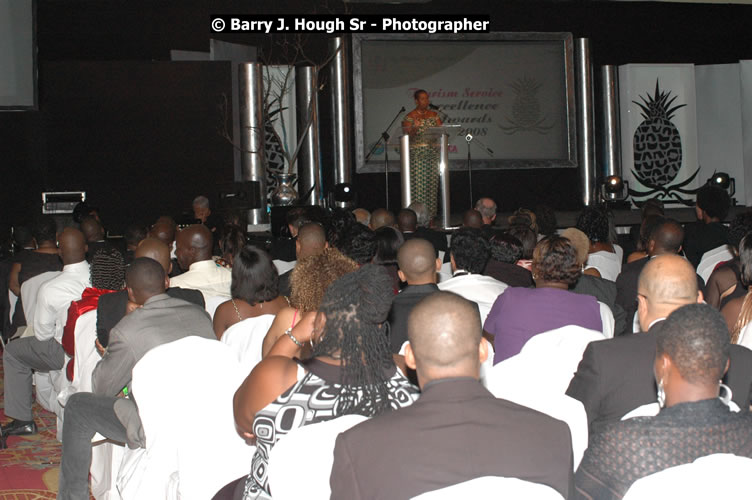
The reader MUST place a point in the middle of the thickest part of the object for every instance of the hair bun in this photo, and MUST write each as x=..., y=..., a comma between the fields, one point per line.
x=369, y=289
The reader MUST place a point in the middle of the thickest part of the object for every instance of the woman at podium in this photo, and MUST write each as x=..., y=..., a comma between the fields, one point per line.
x=424, y=151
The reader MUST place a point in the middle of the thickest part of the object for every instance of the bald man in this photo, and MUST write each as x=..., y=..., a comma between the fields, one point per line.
x=311, y=241
x=615, y=376
x=665, y=238
x=381, y=217
x=457, y=430
x=43, y=352
x=164, y=230
x=94, y=234
x=113, y=307
x=472, y=218
x=159, y=319
x=418, y=266
x=362, y=215
x=194, y=254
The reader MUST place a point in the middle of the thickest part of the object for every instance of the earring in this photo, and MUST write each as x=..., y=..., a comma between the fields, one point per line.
x=725, y=393
x=661, y=394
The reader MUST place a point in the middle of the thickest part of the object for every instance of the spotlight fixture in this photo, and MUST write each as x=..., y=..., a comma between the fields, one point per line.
x=343, y=195
x=723, y=181
x=613, y=188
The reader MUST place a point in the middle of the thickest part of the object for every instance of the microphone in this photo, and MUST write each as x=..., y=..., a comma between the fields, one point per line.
x=402, y=109
x=433, y=106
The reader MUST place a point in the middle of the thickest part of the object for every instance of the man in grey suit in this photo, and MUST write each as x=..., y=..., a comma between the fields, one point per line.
x=615, y=376
x=457, y=430
x=159, y=319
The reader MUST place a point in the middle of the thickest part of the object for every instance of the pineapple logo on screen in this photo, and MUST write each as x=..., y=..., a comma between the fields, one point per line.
x=658, y=148
x=526, y=108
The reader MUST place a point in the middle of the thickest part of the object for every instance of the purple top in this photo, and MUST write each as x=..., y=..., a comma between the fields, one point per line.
x=521, y=313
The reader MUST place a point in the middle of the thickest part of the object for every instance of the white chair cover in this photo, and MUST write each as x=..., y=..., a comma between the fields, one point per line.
x=311, y=447
x=246, y=339
x=283, y=266
x=745, y=336
x=175, y=405
x=212, y=302
x=489, y=487
x=607, y=320
x=721, y=475
x=652, y=409
x=29, y=290
x=711, y=258
x=12, y=300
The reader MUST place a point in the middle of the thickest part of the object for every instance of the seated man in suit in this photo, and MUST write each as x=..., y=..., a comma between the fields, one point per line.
x=158, y=319
x=615, y=376
x=457, y=430
x=423, y=229
x=418, y=266
x=114, y=306
x=194, y=253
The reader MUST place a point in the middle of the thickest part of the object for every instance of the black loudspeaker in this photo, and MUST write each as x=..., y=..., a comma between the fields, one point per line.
x=244, y=195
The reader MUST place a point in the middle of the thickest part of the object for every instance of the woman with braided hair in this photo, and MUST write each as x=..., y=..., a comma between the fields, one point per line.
x=351, y=361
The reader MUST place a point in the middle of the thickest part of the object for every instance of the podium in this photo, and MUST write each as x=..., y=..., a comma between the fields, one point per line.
x=441, y=136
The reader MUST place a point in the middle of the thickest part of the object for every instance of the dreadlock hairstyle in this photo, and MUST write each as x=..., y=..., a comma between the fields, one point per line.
x=107, y=269
x=355, y=305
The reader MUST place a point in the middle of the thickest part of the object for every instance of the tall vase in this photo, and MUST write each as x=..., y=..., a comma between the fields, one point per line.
x=284, y=194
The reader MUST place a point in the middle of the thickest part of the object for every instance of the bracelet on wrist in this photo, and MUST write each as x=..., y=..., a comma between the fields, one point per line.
x=288, y=332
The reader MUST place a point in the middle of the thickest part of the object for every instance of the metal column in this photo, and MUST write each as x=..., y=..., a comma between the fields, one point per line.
x=252, y=156
x=340, y=110
x=585, y=130
x=611, y=126
x=309, y=178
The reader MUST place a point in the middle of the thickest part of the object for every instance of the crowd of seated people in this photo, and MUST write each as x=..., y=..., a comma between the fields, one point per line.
x=365, y=318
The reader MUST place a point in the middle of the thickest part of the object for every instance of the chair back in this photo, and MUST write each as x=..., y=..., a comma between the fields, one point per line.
x=85, y=356
x=712, y=258
x=29, y=290
x=721, y=475
x=283, y=266
x=212, y=302
x=246, y=339
x=607, y=320
x=313, y=446
x=175, y=404
x=489, y=487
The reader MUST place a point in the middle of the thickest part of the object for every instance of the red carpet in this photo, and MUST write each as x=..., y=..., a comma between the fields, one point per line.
x=29, y=468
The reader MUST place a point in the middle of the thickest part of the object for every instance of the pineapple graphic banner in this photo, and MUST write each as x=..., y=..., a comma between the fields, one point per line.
x=659, y=132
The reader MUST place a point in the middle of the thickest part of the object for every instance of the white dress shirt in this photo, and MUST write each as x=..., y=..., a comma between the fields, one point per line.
x=483, y=290
x=54, y=299
x=208, y=277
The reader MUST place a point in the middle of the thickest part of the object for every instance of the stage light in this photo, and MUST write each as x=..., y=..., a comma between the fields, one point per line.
x=723, y=181
x=343, y=195
x=613, y=188
x=613, y=184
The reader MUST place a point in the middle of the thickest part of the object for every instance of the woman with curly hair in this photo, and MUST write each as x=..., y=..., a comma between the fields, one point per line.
x=351, y=371
x=604, y=260
x=309, y=280
x=521, y=313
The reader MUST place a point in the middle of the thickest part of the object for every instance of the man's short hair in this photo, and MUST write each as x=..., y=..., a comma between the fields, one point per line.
x=696, y=339
x=421, y=211
x=416, y=258
x=668, y=235
x=44, y=229
x=485, y=210
x=407, y=220
x=134, y=233
x=201, y=201
x=470, y=250
x=714, y=201
x=146, y=276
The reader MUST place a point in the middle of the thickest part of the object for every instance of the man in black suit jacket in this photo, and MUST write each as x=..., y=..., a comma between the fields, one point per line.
x=418, y=266
x=457, y=430
x=666, y=238
x=615, y=376
x=407, y=222
x=115, y=305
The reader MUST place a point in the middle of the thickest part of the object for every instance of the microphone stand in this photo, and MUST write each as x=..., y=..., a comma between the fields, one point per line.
x=469, y=138
x=385, y=138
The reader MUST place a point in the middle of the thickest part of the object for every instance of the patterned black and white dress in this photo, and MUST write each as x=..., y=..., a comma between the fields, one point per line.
x=313, y=398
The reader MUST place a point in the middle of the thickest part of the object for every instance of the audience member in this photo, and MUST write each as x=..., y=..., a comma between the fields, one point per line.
x=159, y=320
x=603, y=261
x=113, y=307
x=94, y=234
x=404, y=453
x=358, y=243
x=472, y=218
x=311, y=240
x=521, y=313
x=528, y=239
x=506, y=251
x=202, y=211
x=407, y=221
x=363, y=216
x=602, y=289
x=254, y=290
x=545, y=217
x=418, y=266
x=708, y=232
x=650, y=211
x=487, y=209
x=666, y=237
x=164, y=230
x=351, y=363
x=725, y=283
x=691, y=356
x=388, y=242
x=738, y=311
x=615, y=375
x=134, y=233
x=524, y=217
x=43, y=352
x=232, y=242
x=194, y=253
x=381, y=217
x=310, y=278
x=469, y=254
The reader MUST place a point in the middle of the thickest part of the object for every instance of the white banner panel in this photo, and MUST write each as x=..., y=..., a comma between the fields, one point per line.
x=659, y=131
x=719, y=123
x=745, y=73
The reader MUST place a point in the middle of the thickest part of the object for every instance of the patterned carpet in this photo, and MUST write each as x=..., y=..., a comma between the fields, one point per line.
x=30, y=466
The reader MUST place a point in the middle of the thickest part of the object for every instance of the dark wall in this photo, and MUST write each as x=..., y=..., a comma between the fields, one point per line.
x=140, y=133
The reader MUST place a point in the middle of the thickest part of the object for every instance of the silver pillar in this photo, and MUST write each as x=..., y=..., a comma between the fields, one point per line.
x=252, y=156
x=338, y=76
x=611, y=130
x=444, y=179
x=307, y=114
x=405, y=170
x=585, y=129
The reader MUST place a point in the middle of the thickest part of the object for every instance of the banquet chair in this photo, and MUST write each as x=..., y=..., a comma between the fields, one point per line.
x=246, y=338
x=492, y=487
x=607, y=320
x=212, y=302
x=712, y=258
